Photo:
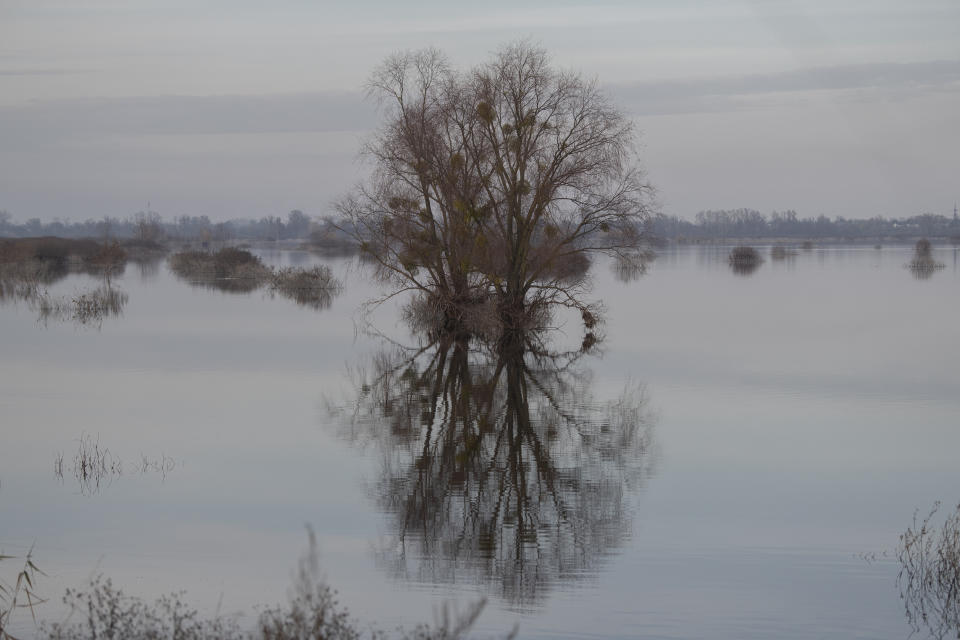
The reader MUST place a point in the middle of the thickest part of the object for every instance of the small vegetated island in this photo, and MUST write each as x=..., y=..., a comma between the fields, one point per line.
x=238, y=270
x=494, y=187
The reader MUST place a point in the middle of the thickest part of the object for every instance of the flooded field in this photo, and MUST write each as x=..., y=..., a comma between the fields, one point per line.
x=735, y=454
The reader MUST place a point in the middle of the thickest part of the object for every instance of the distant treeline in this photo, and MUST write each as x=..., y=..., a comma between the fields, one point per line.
x=749, y=223
x=150, y=226
x=707, y=226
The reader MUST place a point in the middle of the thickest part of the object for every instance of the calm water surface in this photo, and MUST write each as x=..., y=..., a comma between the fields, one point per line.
x=718, y=469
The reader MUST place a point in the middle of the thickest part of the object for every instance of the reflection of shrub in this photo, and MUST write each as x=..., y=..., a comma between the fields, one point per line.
x=929, y=577
x=782, y=253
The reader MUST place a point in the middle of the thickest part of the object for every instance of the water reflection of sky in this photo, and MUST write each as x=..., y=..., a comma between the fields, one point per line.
x=804, y=412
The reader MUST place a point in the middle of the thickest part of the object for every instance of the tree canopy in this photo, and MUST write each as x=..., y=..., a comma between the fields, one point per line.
x=491, y=188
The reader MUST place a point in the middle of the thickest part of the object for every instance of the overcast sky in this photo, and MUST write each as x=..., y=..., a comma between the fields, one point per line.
x=236, y=108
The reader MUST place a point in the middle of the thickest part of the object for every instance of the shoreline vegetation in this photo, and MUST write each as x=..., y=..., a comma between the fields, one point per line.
x=29, y=265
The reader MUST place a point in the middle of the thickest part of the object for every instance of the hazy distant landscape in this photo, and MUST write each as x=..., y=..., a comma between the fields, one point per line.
x=427, y=321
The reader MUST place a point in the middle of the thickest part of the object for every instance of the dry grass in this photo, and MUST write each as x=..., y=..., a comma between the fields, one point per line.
x=929, y=578
x=18, y=594
x=94, y=466
x=104, y=612
x=88, y=308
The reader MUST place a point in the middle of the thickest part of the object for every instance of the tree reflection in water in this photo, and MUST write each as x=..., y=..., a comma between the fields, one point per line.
x=499, y=466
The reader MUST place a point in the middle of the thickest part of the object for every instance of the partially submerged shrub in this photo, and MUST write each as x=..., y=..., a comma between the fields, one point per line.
x=923, y=265
x=109, y=258
x=929, y=578
x=782, y=253
x=806, y=245
x=228, y=269
x=238, y=270
x=314, y=287
x=744, y=259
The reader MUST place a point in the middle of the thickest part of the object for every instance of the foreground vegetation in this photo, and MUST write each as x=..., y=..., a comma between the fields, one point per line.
x=929, y=576
x=101, y=611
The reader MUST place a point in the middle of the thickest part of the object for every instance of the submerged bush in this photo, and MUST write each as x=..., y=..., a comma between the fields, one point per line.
x=228, y=269
x=238, y=270
x=744, y=260
x=314, y=287
x=782, y=253
x=923, y=265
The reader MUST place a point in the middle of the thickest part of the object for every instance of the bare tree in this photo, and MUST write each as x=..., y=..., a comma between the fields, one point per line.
x=496, y=185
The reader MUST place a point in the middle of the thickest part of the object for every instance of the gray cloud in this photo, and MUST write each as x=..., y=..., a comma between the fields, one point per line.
x=722, y=93
x=54, y=120
x=42, y=72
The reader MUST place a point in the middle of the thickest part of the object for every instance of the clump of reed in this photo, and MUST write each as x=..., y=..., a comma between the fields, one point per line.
x=313, y=287
x=929, y=578
x=923, y=265
x=89, y=307
x=782, y=253
x=94, y=466
x=18, y=593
